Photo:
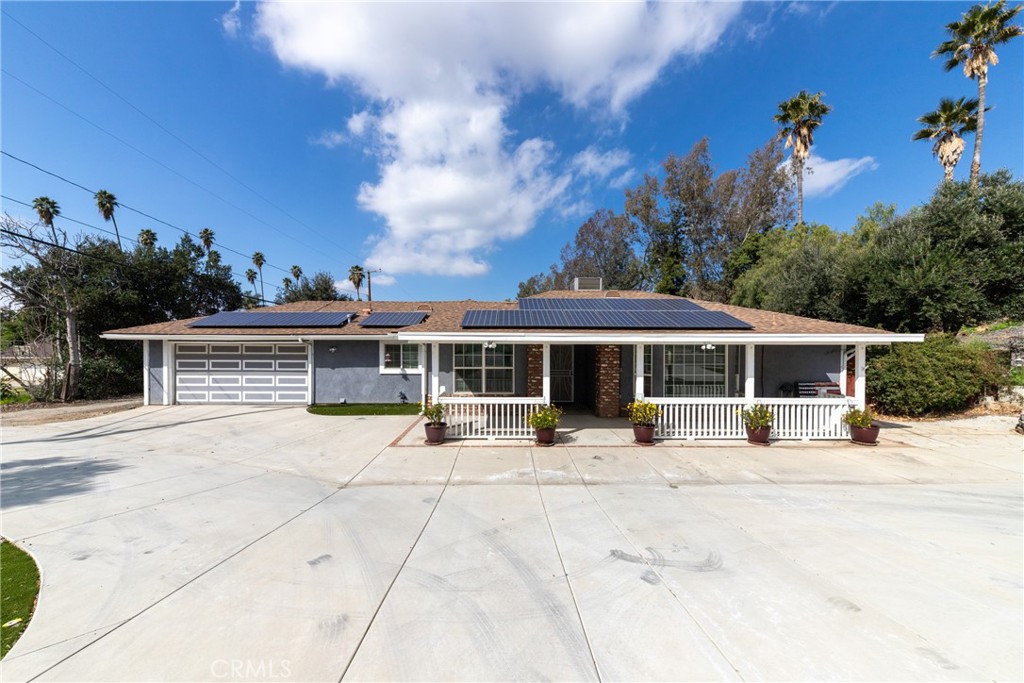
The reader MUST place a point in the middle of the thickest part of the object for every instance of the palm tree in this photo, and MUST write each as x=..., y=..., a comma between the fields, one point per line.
x=258, y=260
x=355, y=276
x=250, y=275
x=946, y=125
x=799, y=117
x=972, y=42
x=106, y=203
x=47, y=209
x=206, y=237
x=296, y=273
x=287, y=282
x=213, y=258
x=147, y=238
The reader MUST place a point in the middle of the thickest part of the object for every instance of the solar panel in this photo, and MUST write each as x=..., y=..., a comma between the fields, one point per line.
x=621, y=320
x=607, y=304
x=394, y=319
x=268, y=319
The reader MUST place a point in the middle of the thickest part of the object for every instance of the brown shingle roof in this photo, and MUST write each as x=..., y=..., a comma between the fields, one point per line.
x=446, y=317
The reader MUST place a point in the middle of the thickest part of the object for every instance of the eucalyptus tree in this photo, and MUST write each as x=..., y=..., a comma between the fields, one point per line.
x=946, y=126
x=258, y=260
x=798, y=118
x=356, y=275
x=972, y=43
x=106, y=202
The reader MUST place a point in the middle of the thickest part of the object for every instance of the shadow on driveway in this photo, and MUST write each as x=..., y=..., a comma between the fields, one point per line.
x=39, y=480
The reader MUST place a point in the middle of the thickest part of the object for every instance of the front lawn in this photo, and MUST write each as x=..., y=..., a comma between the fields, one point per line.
x=366, y=409
x=19, y=586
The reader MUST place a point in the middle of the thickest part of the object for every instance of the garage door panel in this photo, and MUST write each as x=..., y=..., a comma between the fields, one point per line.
x=242, y=373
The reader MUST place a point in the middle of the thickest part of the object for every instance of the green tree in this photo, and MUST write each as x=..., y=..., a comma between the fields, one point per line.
x=356, y=275
x=206, y=237
x=972, y=43
x=798, y=118
x=946, y=126
x=147, y=238
x=47, y=209
x=251, y=275
x=296, y=273
x=319, y=288
x=107, y=203
x=258, y=260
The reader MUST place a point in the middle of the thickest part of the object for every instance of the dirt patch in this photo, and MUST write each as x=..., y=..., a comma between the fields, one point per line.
x=43, y=413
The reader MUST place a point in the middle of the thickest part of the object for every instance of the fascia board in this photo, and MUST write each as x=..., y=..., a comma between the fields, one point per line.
x=694, y=338
x=246, y=337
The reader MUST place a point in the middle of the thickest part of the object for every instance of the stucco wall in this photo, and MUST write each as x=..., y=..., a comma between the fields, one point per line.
x=352, y=374
x=155, y=371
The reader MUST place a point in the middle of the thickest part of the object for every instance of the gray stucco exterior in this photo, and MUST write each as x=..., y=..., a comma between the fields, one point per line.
x=352, y=374
x=155, y=371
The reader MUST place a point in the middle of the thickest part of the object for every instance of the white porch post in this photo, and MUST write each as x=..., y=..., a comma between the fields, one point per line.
x=546, y=373
x=145, y=372
x=168, y=365
x=842, y=369
x=860, y=384
x=435, y=378
x=748, y=368
x=423, y=373
x=638, y=372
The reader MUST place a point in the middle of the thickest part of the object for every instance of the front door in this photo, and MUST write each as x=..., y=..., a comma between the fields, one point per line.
x=562, y=374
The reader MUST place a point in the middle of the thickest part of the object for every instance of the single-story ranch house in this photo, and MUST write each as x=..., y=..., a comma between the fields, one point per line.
x=491, y=363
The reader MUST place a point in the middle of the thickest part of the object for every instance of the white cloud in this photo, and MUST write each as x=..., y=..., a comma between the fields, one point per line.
x=454, y=182
x=600, y=165
x=824, y=177
x=230, y=21
x=329, y=139
x=379, y=280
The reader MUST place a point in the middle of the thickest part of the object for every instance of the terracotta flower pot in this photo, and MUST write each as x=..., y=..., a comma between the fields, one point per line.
x=864, y=435
x=643, y=434
x=546, y=437
x=435, y=432
x=759, y=435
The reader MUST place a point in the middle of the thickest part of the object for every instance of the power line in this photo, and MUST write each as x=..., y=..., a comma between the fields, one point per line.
x=161, y=164
x=171, y=134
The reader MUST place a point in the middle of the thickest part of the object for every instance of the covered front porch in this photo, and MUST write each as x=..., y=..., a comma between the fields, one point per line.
x=700, y=388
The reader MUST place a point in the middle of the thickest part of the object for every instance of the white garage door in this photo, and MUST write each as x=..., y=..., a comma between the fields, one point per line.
x=241, y=373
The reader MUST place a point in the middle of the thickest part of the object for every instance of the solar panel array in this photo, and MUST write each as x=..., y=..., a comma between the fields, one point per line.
x=611, y=319
x=265, y=319
x=394, y=319
x=607, y=304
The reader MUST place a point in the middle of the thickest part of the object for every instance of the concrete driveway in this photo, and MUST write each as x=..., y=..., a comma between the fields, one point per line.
x=216, y=543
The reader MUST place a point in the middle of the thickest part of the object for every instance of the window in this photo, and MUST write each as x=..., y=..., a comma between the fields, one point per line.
x=484, y=368
x=648, y=370
x=397, y=358
x=695, y=370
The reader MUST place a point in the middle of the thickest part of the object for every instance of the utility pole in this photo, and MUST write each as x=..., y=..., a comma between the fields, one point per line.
x=369, y=283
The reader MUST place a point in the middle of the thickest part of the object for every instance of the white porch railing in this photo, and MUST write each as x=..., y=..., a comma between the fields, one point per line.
x=795, y=418
x=471, y=417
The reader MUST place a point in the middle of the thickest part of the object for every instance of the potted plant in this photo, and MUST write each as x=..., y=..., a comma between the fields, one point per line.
x=544, y=420
x=435, y=425
x=758, y=421
x=643, y=414
x=863, y=429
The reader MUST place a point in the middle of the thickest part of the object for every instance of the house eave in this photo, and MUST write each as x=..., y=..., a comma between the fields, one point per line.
x=244, y=337
x=689, y=337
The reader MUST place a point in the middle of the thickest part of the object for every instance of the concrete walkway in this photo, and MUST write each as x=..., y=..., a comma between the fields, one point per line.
x=220, y=543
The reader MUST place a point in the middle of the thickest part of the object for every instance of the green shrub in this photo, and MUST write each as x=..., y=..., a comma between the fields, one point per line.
x=940, y=375
x=545, y=417
x=757, y=416
x=1016, y=377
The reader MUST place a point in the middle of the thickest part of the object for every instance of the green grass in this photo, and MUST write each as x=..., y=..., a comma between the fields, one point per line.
x=19, y=587
x=366, y=409
x=991, y=327
x=20, y=397
x=1017, y=377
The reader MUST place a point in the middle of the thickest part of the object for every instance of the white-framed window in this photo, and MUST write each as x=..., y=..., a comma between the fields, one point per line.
x=396, y=358
x=191, y=348
x=695, y=370
x=484, y=369
x=648, y=370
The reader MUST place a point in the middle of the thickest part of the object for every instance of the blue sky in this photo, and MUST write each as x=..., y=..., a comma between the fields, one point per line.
x=457, y=147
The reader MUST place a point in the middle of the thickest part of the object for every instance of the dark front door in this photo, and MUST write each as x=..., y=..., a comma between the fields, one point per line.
x=562, y=374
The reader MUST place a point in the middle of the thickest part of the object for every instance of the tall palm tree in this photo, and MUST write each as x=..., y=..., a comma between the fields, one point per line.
x=147, y=238
x=258, y=260
x=287, y=282
x=47, y=209
x=250, y=275
x=356, y=274
x=296, y=273
x=972, y=43
x=106, y=202
x=947, y=125
x=206, y=237
x=798, y=118
x=213, y=258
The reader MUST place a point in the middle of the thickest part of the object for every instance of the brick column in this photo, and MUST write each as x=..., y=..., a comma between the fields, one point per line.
x=534, y=370
x=608, y=360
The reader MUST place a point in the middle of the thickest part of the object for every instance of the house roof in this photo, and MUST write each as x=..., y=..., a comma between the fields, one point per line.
x=445, y=318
